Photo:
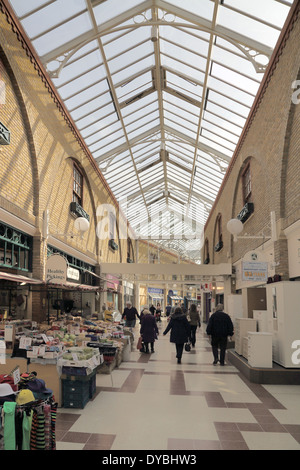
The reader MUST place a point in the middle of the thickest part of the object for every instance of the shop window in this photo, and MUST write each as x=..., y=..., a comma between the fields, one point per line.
x=246, y=182
x=77, y=185
x=15, y=248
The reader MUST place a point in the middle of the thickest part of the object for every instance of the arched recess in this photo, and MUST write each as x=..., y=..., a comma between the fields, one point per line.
x=206, y=252
x=92, y=199
x=130, y=251
x=286, y=148
x=218, y=236
x=236, y=208
x=29, y=135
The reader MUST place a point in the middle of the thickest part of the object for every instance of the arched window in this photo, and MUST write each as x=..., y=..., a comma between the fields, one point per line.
x=206, y=252
x=77, y=185
x=246, y=184
x=218, y=233
x=130, y=253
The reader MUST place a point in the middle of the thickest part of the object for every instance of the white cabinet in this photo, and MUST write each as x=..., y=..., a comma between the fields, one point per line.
x=262, y=319
x=241, y=328
x=260, y=349
x=245, y=347
x=283, y=306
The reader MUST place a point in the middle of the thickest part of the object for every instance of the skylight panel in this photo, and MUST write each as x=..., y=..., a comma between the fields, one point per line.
x=126, y=40
x=108, y=10
x=24, y=8
x=223, y=111
x=62, y=34
x=203, y=9
x=269, y=10
x=235, y=78
x=88, y=62
x=81, y=82
x=110, y=146
x=122, y=74
x=47, y=18
x=248, y=27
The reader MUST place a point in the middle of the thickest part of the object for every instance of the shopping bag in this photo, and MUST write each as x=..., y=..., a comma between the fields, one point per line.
x=139, y=343
x=187, y=347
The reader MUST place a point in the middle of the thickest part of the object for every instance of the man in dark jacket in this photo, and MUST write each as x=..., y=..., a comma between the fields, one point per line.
x=219, y=328
x=130, y=313
x=180, y=331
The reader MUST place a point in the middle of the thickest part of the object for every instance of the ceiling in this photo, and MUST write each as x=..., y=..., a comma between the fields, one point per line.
x=160, y=92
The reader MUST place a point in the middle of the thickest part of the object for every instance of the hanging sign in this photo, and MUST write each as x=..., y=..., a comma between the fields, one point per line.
x=56, y=269
x=254, y=271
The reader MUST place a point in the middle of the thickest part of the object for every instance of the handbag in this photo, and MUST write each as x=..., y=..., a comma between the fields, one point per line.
x=187, y=347
x=139, y=343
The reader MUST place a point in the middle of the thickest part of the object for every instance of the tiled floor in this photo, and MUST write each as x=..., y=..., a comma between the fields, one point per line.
x=153, y=403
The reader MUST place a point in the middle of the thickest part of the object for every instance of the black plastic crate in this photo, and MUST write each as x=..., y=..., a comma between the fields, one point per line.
x=75, y=393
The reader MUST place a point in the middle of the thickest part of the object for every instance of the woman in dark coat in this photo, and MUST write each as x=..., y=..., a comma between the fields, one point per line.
x=180, y=331
x=149, y=330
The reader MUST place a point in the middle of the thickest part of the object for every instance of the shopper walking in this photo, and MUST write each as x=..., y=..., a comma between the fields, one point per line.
x=130, y=313
x=152, y=310
x=219, y=327
x=194, y=323
x=168, y=310
x=180, y=331
x=158, y=313
x=149, y=330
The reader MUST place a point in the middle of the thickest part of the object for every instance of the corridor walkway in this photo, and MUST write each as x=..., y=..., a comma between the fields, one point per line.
x=153, y=403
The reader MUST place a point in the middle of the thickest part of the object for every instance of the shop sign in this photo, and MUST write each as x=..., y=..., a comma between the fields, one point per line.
x=73, y=274
x=154, y=290
x=255, y=271
x=56, y=269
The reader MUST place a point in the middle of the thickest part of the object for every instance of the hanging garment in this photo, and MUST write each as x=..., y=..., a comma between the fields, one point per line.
x=33, y=430
x=26, y=428
x=9, y=435
x=19, y=428
x=53, y=422
x=37, y=435
x=47, y=412
x=40, y=432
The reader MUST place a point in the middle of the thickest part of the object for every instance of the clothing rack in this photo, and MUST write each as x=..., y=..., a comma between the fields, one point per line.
x=28, y=426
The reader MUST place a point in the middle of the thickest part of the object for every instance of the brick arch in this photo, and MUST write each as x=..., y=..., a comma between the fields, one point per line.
x=29, y=135
x=286, y=153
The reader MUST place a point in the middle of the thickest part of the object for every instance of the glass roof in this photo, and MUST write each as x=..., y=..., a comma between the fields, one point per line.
x=160, y=91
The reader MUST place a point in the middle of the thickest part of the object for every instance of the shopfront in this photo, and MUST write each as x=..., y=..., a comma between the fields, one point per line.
x=71, y=288
x=174, y=298
x=15, y=273
x=113, y=289
x=156, y=296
